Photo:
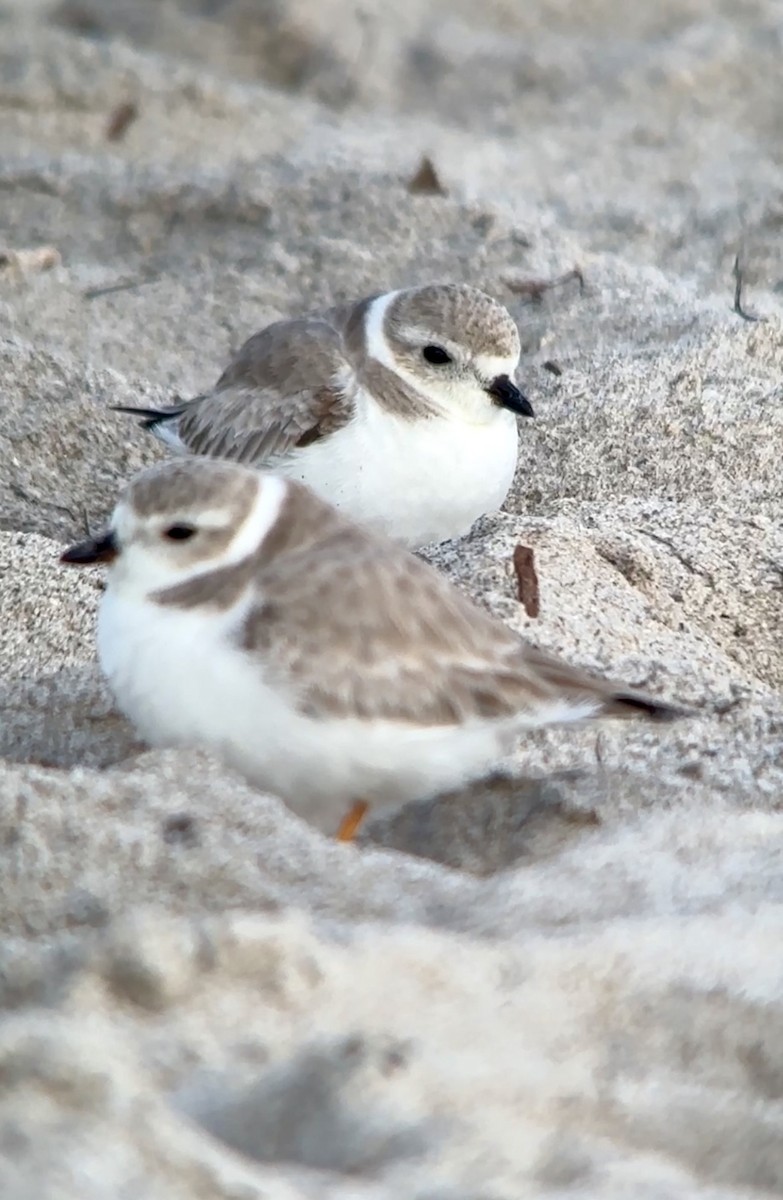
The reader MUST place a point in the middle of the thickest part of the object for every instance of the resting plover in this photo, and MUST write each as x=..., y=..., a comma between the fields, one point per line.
x=324, y=661
x=400, y=409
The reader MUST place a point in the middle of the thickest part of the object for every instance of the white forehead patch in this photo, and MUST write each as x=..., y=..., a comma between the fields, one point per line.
x=489, y=366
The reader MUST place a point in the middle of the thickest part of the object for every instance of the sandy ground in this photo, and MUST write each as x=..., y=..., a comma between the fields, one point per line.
x=569, y=982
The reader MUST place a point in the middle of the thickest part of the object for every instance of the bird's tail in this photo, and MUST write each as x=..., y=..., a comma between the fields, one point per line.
x=151, y=418
x=606, y=697
x=628, y=703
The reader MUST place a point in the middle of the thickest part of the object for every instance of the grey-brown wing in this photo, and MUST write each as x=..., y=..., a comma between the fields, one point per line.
x=289, y=385
x=360, y=628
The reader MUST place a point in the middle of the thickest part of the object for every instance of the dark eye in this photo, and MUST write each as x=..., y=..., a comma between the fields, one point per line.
x=179, y=533
x=436, y=355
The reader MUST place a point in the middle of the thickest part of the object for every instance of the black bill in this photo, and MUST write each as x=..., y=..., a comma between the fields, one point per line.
x=507, y=395
x=100, y=550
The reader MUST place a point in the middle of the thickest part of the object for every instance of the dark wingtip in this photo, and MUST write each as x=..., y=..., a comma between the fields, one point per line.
x=133, y=412
x=647, y=706
x=150, y=417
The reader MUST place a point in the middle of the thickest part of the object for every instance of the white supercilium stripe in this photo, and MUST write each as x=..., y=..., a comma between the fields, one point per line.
x=258, y=522
x=374, y=338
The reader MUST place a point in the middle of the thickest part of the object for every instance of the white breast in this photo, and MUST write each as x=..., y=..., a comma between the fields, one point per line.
x=419, y=481
x=181, y=682
x=172, y=670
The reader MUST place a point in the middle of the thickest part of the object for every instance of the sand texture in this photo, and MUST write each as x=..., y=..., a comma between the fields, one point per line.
x=569, y=982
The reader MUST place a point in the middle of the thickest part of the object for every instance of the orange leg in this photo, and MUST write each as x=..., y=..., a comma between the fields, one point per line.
x=349, y=826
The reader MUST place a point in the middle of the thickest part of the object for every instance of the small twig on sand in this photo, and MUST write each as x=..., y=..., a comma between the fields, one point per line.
x=536, y=288
x=120, y=120
x=739, y=279
x=31, y=498
x=527, y=580
x=687, y=562
x=126, y=285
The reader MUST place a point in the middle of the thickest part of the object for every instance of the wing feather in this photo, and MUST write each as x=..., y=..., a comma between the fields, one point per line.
x=289, y=385
x=426, y=655
x=404, y=643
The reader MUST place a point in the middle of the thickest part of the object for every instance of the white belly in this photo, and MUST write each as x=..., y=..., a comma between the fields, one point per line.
x=180, y=682
x=419, y=482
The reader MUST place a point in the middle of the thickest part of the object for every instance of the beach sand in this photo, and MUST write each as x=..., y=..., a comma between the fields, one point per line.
x=567, y=982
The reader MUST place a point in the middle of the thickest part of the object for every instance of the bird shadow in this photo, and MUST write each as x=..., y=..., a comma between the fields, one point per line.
x=494, y=824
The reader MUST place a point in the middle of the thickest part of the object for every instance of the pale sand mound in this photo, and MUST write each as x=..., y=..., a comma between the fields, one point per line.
x=205, y=998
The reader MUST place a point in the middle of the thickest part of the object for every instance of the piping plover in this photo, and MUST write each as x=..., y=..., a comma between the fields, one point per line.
x=400, y=409
x=324, y=661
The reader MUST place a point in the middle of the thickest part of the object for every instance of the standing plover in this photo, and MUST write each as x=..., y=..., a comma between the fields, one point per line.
x=400, y=409
x=324, y=661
